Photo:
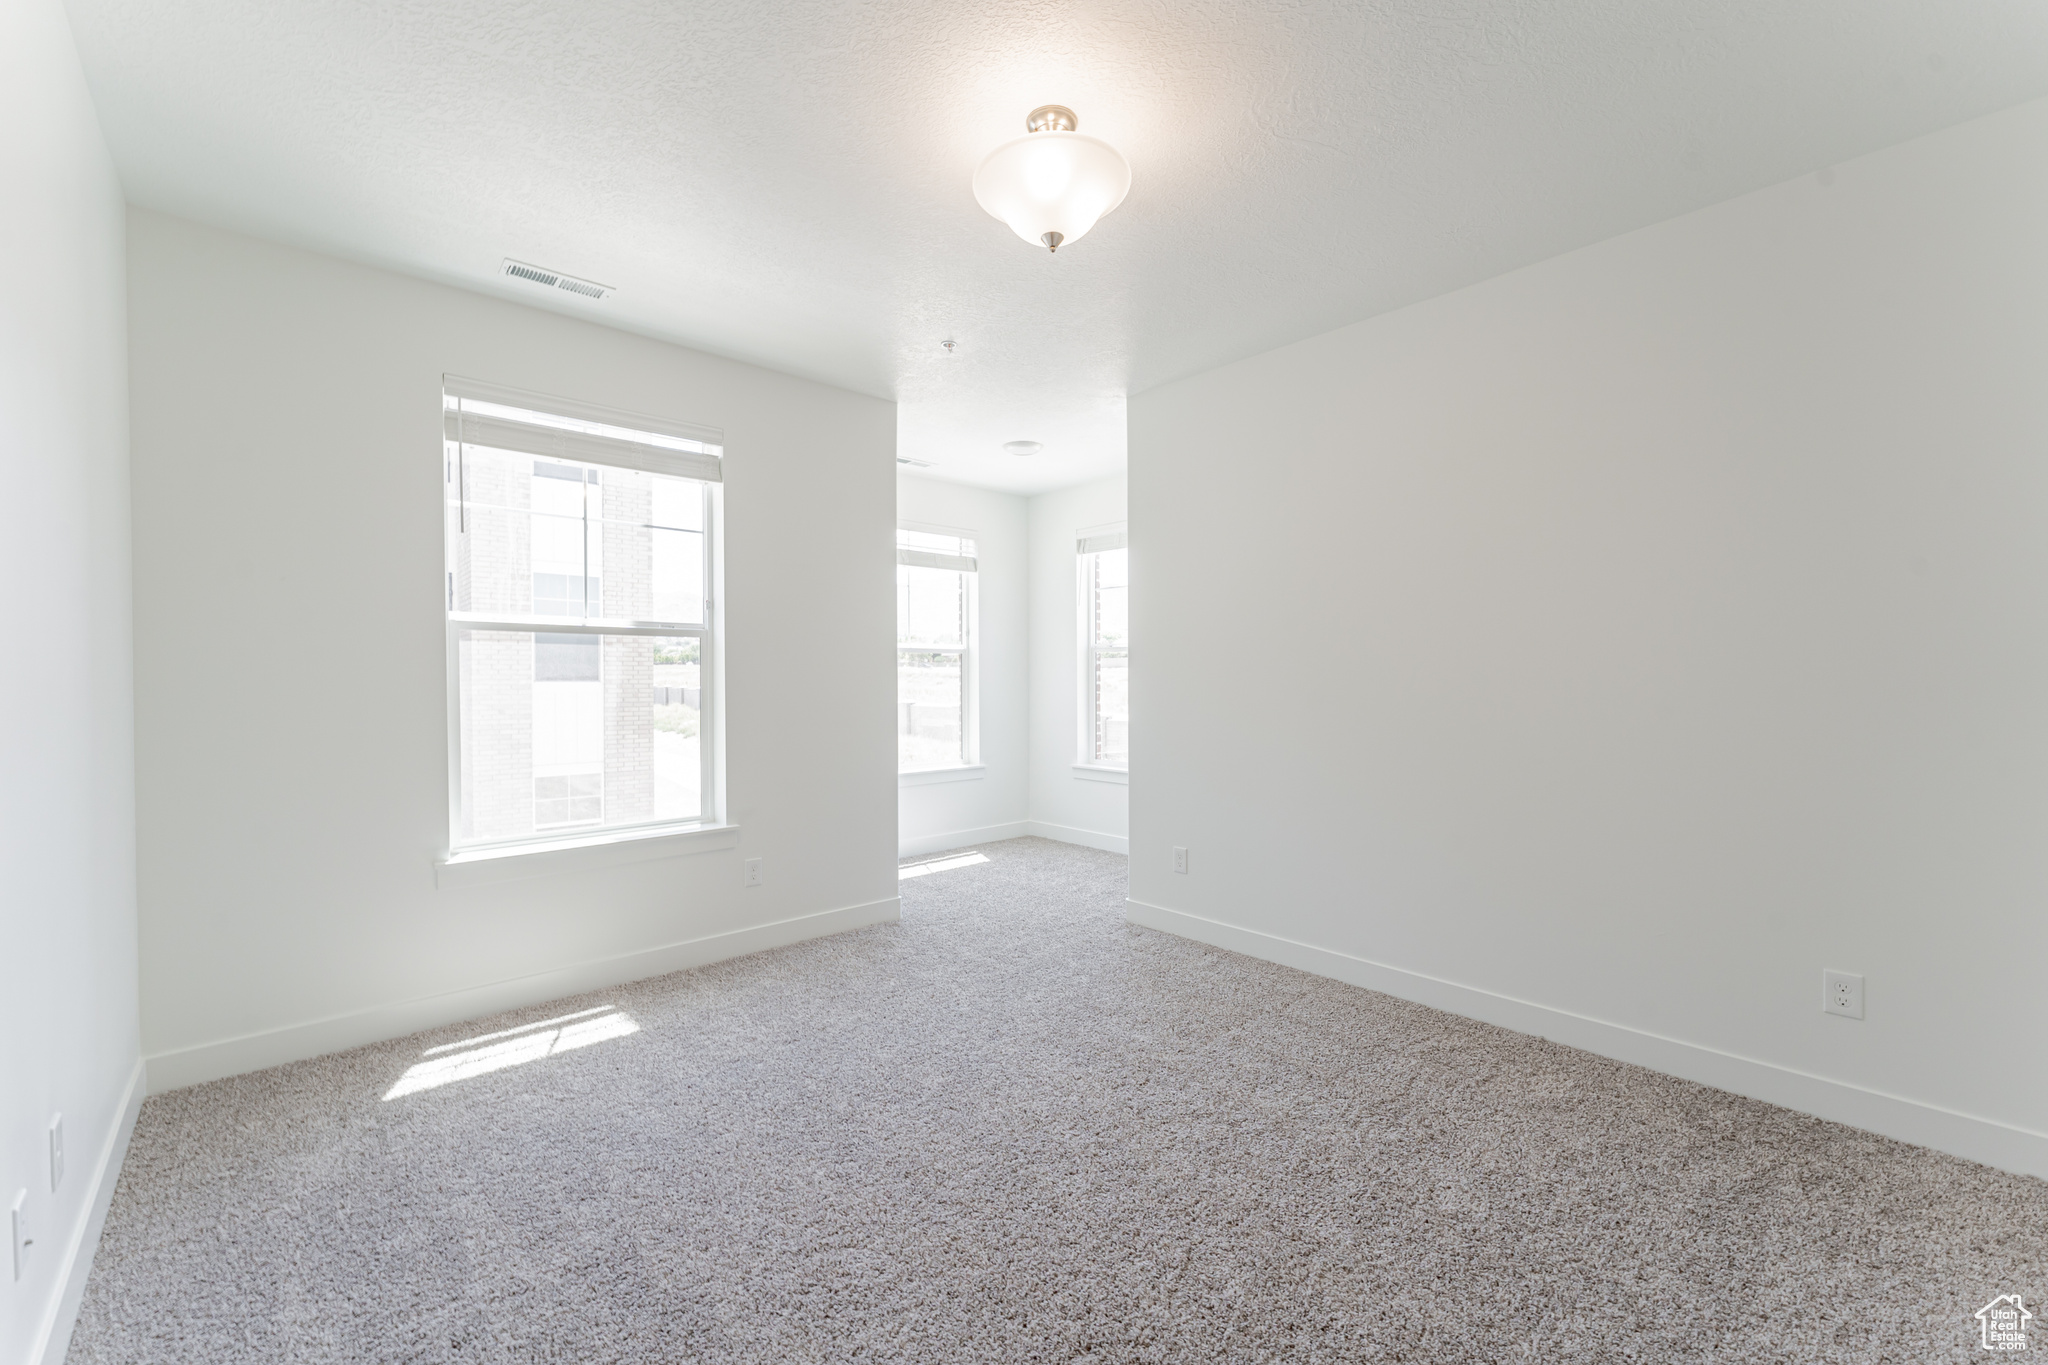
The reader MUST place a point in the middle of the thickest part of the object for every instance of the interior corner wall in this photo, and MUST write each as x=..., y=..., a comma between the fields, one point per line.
x=68, y=1031
x=1608, y=648
x=1081, y=808
x=990, y=803
x=290, y=658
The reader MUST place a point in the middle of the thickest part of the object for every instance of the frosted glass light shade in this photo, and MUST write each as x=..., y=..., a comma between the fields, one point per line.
x=1052, y=182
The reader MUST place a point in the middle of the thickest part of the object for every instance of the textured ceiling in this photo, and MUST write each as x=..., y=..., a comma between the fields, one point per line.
x=786, y=181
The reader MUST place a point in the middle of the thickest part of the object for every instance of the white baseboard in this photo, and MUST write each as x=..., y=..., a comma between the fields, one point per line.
x=53, y=1341
x=337, y=1033
x=959, y=838
x=1087, y=838
x=989, y=834
x=1946, y=1130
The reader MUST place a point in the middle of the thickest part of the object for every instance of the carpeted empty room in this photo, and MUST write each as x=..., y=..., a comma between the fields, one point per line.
x=1015, y=1127
x=964, y=682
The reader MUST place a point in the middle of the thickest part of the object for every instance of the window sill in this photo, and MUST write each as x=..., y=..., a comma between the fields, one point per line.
x=1092, y=773
x=484, y=865
x=922, y=776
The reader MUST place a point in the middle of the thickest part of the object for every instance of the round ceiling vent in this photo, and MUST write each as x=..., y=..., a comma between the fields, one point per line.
x=1022, y=447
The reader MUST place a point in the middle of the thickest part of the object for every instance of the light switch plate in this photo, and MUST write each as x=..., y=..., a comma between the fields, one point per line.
x=17, y=1219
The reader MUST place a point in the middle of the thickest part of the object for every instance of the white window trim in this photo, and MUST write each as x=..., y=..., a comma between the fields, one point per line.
x=920, y=777
x=540, y=854
x=541, y=858
x=970, y=765
x=1085, y=764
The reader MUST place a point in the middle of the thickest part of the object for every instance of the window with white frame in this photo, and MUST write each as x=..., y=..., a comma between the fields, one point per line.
x=581, y=596
x=1105, y=652
x=937, y=603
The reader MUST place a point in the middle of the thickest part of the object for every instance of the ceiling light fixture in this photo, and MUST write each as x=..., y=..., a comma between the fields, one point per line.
x=1052, y=184
x=1022, y=447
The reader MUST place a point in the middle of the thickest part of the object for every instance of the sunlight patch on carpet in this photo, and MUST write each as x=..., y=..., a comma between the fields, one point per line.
x=925, y=869
x=513, y=1047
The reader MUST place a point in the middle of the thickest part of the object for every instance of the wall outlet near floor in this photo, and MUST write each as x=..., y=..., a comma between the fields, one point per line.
x=56, y=1152
x=753, y=872
x=1842, y=993
x=17, y=1217
x=1180, y=860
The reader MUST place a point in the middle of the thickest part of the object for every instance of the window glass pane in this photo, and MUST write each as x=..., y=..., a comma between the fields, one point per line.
x=931, y=606
x=532, y=537
x=678, y=503
x=493, y=517
x=566, y=658
x=677, y=547
x=677, y=576
x=557, y=594
x=1112, y=692
x=1112, y=593
x=927, y=711
x=650, y=529
x=555, y=539
x=677, y=703
x=561, y=732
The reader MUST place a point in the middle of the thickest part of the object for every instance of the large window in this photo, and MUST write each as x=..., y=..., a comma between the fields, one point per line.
x=581, y=597
x=1105, y=650
x=936, y=607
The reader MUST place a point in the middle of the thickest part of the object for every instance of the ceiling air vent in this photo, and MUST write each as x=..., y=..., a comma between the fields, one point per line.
x=555, y=279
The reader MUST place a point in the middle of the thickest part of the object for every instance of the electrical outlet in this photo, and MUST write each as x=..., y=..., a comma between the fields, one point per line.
x=753, y=872
x=1180, y=860
x=1842, y=993
x=56, y=1152
x=18, y=1217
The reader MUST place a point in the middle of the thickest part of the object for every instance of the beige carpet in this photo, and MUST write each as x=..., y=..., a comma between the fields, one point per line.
x=1014, y=1128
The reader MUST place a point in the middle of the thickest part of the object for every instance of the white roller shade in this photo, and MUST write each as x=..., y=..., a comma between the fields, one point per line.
x=1113, y=540
x=480, y=414
x=927, y=559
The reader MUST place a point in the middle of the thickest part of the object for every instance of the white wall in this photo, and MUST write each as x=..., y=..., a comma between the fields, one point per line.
x=291, y=730
x=68, y=1041
x=1067, y=804
x=1620, y=642
x=991, y=803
